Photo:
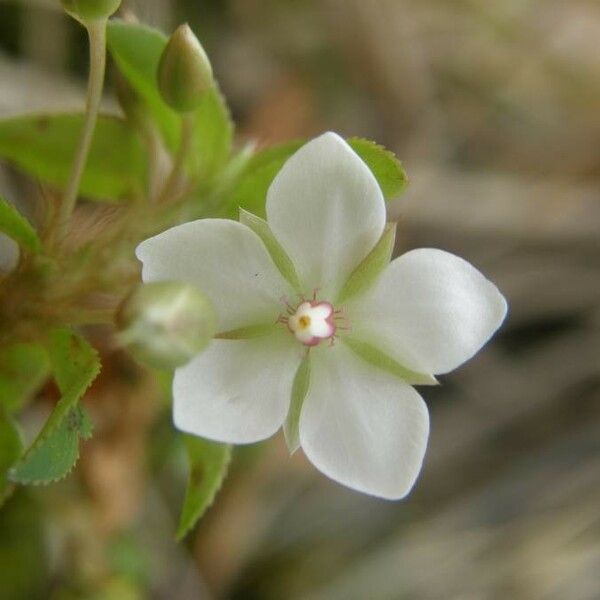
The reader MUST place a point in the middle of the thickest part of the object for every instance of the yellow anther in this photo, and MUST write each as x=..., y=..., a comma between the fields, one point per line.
x=304, y=321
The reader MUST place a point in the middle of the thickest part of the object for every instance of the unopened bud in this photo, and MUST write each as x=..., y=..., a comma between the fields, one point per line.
x=184, y=72
x=90, y=10
x=166, y=323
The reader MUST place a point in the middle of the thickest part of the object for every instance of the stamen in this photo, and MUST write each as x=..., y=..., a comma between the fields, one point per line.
x=312, y=321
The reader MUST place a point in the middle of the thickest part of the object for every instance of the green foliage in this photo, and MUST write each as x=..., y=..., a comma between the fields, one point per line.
x=23, y=550
x=129, y=557
x=43, y=145
x=11, y=447
x=251, y=189
x=55, y=451
x=291, y=427
x=209, y=462
x=278, y=254
x=367, y=272
x=53, y=458
x=385, y=166
x=17, y=227
x=137, y=50
x=23, y=369
x=379, y=359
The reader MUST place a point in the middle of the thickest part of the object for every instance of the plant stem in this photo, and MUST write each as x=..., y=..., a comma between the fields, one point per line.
x=173, y=182
x=97, y=40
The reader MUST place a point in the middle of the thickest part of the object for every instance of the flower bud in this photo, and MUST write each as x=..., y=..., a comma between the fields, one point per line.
x=166, y=323
x=184, y=72
x=90, y=10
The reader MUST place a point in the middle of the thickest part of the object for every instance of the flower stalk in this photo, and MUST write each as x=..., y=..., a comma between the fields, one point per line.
x=97, y=40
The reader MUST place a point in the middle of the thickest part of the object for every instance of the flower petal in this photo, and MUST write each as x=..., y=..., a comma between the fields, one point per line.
x=362, y=426
x=237, y=391
x=430, y=310
x=326, y=209
x=227, y=261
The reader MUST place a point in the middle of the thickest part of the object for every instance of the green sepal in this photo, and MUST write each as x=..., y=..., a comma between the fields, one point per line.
x=17, y=227
x=42, y=145
x=247, y=333
x=291, y=427
x=209, y=463
x=380, y=359
x=90, y=10
x=278, y=254
x=23, y=369
x=367, y=272
x=54, y=458
x=55, y=450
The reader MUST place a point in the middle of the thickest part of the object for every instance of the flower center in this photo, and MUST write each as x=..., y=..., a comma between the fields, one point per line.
x=311, y=321
x=304, y=322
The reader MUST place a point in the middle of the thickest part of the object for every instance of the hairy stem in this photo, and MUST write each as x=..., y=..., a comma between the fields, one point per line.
x=97, y=39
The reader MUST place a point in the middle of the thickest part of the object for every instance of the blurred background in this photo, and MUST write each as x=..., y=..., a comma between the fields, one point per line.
x=494, y=108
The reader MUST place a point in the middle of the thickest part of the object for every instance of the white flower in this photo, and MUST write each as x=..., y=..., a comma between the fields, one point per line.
x=361, y=422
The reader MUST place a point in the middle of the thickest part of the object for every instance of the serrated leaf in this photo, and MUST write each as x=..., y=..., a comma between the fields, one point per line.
x=280, y=258
x=23, y=369
x=43, y=146
x=379, y=359
x=291, y=427
x=136, y=50
x=384, y=165
x=250, y=193
x=209, y=462
x=367, y=272
x=17, y=227
x=54, y=458
x=55, y=450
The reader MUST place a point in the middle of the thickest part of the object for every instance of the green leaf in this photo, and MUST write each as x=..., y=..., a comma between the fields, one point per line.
x=17, y=227
x=136, y=50
x=11, y=447
x=251, y=190
x=367, y=272
x=280, y=258
x=299, y=390
x=23, y=369
x=209, y=462
x=54, y=458
x=43, y=146
x=56, y=449
x=379, y=359
x=385, y=166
